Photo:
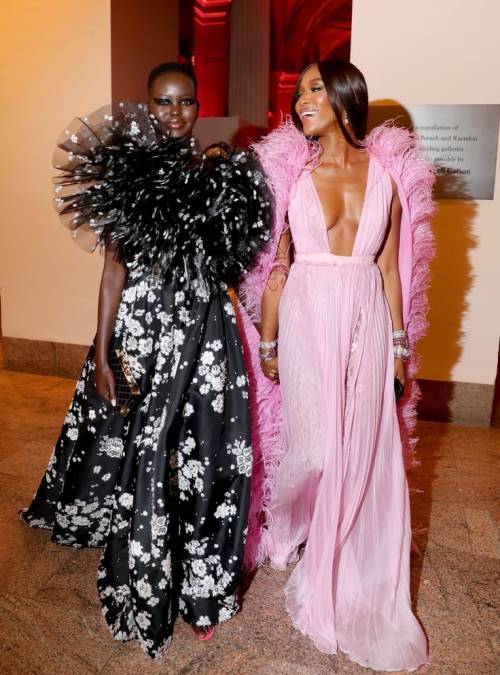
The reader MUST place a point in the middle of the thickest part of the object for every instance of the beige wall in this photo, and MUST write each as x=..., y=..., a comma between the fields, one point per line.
x=55, y=63
x=445, y=52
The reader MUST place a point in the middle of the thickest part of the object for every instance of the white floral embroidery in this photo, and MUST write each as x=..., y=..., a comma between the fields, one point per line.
x=224, y=614
x=203, y=621
x=158, y=526
x=225, y=510
x=243, y=454
x=207, y=358
x=72, y=433
x=126, y=500
x=143, y=620
x=188, y=410
x=218, y=403
x=144, y=589
x=166, y=565
x=113, y=447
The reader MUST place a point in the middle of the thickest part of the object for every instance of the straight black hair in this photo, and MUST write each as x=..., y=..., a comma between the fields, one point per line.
x=347, y=92
x=172, y=67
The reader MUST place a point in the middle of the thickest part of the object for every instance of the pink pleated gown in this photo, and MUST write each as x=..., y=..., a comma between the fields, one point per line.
x=341, y=486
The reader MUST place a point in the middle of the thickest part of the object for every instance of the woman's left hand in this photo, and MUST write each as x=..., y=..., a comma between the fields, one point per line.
x=399, y=370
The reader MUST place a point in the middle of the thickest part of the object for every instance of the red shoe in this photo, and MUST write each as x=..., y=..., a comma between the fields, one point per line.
x=204, y=634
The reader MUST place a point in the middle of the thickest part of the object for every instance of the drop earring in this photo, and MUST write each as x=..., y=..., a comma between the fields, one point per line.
x=346, y=120
x=193, y=145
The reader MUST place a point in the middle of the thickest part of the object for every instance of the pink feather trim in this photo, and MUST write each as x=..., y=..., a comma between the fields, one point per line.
x=400, y=153
x=283, y=154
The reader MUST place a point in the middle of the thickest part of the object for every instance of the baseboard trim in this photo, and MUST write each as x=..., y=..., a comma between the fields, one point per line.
x=43, y=358
x=457, y=402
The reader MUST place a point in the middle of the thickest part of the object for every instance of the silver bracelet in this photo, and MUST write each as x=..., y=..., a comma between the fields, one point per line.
x=268, y=345
x=401, y=352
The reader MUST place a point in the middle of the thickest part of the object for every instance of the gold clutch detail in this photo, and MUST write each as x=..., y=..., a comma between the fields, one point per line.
x=126, y=387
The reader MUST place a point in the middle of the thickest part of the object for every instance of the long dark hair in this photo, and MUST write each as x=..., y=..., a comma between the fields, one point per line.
x=347, y=91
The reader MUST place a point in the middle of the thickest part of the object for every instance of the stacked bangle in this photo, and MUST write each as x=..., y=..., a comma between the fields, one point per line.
x=268, y=350
x=401, y=345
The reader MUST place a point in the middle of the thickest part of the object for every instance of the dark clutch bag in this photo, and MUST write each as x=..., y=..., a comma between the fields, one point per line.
x=127, y=390
x=398, y=388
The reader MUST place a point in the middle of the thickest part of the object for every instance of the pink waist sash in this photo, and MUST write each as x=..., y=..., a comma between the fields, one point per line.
x=332, y=259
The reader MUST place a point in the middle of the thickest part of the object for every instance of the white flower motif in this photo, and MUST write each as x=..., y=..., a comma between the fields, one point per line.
x=188, y=410
x=126, y=500
x=144, y=589
x=243, y=454
x=80, y=521
x=135, y=328
x=224, y=614
x=225, y=510
x=203, y=621
x=135, y=548
x=189, y=445
x=158, y=526
x=218, y=403
x=145, y=346
x=142, y=620
x=166, y=566
x=241, y=381
x=184, y=315
x=199, y=568
x=113, y=447
x=217, y=383
x=207, y=358
x=72, y=433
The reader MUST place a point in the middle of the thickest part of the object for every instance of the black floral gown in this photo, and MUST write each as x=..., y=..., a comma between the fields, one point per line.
x=165, y=489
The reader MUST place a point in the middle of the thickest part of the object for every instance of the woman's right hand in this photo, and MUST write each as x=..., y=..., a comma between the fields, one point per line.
x=270, y=370
x=105, y=382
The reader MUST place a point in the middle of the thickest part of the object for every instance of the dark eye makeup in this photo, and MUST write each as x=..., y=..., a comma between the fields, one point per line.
x=313, y=88
x=186, y=101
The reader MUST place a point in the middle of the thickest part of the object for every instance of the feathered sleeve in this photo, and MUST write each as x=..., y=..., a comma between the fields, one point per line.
x=100, y=157
x=228, y=207
x=401, y=154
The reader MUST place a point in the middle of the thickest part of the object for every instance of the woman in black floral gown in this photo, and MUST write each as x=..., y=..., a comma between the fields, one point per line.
x=165, y=488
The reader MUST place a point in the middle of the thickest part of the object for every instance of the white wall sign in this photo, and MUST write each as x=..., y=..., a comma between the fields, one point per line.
x=461, y=141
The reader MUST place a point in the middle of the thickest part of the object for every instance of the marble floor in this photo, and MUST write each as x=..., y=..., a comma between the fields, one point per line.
x=49, y=613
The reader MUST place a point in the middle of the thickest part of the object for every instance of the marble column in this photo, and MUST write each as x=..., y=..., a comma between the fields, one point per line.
x=249, y=61
x=211, y=34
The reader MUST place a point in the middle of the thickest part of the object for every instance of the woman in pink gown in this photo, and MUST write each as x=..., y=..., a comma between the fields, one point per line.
x=340, y=487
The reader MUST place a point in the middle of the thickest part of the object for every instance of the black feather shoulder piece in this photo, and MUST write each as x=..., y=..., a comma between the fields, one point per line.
x=229, y=207
x=159, y=204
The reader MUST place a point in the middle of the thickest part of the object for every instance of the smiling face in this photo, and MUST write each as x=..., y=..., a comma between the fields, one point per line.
x=313, y=106
x=172, y=100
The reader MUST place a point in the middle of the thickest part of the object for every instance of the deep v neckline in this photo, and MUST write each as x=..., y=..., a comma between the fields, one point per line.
x=322, y=212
